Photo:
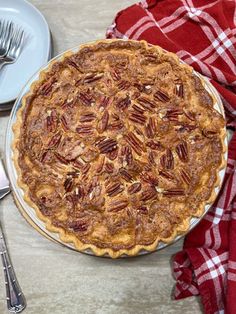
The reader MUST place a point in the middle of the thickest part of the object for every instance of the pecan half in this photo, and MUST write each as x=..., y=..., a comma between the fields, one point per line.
x=114, y=189
x=85, y=169
x=161, y=96
x=151, y=158
x=128, y=156
x=134, y=142
x=173, y=192
x=185, y=176
x=52, y=121
x=179, y=90
x=182, y=151
x=138, y=109
x=54, y=141
x=46, y=88
x=123, y=85
x=123, y=103
x=102, y=124
x=146, y=104
x=89, y=78
x=134, y=188
x=43, y=156
x=167, y=175
x=73, y=65
x=105, y=101
x=107, y=145
x=87, y=117
x=146, y=177
x=137, y=118
x=109, y=167
x=68, y=184
x=117, y=205
x=148, y=194
x=115, y=75
x=190, y=115
x=209, y=133
x=125, y=175
x=167, y=160
x=151, y=58
x=112, y=155
x=117, y=125
x=64, y=123
x=100, y=164
x=173, y=114
x=79, y=226
x=61, y=158
x=85, y=98
x=151, y=127
x=85, y=129
x=155, y=145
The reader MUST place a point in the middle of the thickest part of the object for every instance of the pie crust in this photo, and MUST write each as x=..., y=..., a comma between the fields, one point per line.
x=117, y=146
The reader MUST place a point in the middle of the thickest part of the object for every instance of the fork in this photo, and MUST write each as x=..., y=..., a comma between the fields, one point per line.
x=15, y=298
x=15, y=47
x=6, y=29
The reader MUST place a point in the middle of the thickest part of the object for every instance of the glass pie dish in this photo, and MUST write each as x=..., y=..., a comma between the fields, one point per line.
x=30, y=214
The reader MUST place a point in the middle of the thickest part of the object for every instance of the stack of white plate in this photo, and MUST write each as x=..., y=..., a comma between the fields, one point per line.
x=36, y=51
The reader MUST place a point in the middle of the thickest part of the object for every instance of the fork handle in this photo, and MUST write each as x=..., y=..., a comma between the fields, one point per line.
x=2, y=63
x=15, y=298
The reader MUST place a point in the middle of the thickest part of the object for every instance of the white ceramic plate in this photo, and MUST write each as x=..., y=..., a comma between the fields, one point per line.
x=29, y=212
x=37, y=50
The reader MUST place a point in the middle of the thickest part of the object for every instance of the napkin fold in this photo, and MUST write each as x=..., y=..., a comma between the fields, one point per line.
x=203, y=34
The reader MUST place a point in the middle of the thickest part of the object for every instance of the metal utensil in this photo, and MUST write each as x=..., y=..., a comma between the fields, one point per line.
x=15, y=47
x=6, y=29
x=15, y=298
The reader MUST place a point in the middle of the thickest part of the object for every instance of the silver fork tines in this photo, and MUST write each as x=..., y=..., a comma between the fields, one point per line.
x=6, y=29
x=14, y=45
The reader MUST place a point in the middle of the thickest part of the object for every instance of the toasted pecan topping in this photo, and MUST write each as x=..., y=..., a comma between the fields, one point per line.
x=182, y=151
x=103, y=123
x=107, y=145
x=174, y=192
x=117, y=205
x=161, y=96
x=134, y=142
x=167, y=160
x=134, y=188
x=146, y=104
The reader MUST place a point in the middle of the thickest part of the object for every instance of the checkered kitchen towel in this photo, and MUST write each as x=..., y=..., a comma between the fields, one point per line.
x=203, y=34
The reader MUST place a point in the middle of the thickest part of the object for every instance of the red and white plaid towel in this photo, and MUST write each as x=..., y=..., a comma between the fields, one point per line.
x=203, y=34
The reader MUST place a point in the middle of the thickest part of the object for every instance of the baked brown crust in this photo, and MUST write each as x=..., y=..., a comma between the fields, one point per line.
x=118, y=146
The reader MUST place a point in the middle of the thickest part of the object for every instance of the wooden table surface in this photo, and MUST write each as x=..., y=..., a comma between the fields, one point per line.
x=54, y=279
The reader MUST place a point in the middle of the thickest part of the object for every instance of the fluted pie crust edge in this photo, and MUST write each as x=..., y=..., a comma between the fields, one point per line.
x=70, y=238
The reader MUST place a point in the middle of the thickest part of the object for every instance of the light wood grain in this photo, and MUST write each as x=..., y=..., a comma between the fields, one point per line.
x=59, y=281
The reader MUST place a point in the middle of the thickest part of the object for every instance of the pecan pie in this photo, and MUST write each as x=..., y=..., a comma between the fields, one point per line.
x=117, y=146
